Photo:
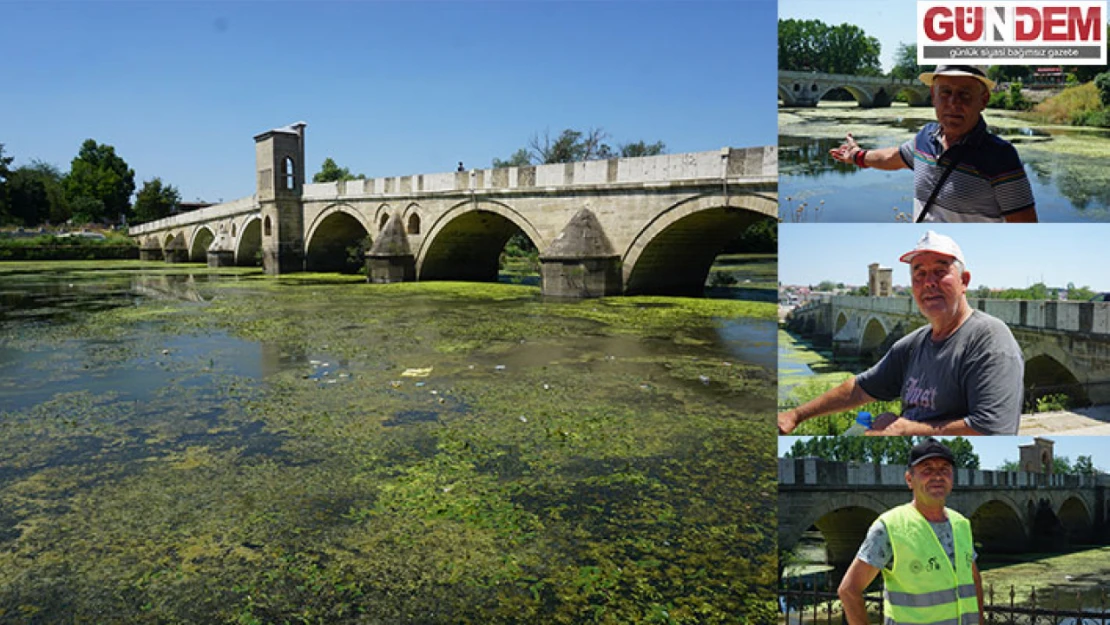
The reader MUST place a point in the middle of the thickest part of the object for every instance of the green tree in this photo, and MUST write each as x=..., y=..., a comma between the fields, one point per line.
x=812, y=45
x=570, y=146
x=520, y=158
x=905, y=63
x=1084, y=465
x=35, y=195
x=877, y=450
x=826, y=285
x=330, y=172
x=155, y=201
x=99, y=184
x=1102, y=83
x=640, y=148
x=5, y=161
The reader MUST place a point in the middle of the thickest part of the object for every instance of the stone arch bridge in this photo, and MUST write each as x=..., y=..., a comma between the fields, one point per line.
x=805, y=89
x=1009, y=512
x=623, y=225
x=1066, y=345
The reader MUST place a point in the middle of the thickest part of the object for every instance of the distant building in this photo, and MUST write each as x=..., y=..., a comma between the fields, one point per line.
x=1036, y=457
x=879, y=280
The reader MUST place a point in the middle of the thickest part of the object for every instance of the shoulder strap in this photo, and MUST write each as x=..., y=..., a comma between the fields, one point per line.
x=944, y=176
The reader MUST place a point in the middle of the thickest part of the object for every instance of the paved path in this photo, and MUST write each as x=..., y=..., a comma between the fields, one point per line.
x=1094, y=421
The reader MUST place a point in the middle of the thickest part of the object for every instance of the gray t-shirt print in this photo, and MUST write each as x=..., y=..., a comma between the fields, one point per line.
x=975, y=374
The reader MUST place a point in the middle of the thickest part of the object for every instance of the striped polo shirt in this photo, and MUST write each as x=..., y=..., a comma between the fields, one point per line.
x=988, y=183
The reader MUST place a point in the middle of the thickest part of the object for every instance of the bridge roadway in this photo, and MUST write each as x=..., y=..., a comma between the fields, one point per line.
x=1066, y=345
x=1009, y=512
x=805, y=89
x=623, y=225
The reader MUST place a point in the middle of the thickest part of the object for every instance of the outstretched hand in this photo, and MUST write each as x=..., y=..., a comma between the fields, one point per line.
x=844, y=152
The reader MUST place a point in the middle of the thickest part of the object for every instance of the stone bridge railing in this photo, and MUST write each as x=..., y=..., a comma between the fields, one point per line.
x=1063, y=316
x=810, y=473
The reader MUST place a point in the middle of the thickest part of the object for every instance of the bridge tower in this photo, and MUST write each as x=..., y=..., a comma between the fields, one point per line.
x=279, y=161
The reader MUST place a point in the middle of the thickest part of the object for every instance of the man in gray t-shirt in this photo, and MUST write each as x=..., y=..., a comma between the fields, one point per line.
x=959, y=375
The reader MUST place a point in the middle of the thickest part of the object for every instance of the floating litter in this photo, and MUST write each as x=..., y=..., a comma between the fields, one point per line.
x=417, y=373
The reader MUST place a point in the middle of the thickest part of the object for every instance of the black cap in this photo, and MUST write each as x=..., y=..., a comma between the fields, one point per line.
x=930, y=448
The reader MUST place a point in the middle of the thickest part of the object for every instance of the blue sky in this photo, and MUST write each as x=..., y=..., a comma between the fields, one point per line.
x=994, y=450
x=998, y=256
x=180, y=88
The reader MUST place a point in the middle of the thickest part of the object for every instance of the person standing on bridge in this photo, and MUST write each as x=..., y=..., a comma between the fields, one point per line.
x=961, y=172
x=924, y=550
x=961, y=374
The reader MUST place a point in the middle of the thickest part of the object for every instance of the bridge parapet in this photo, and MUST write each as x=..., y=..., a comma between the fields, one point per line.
x=819, y=474
x=758, y=164
x=203, y=215
x=1086, y=317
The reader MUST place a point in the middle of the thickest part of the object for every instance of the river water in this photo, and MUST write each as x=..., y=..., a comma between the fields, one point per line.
x=191, y=445
x=1069, y=168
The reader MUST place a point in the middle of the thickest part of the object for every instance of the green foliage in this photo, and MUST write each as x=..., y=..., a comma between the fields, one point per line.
x=640, y=148
x=762, y=237
x=573, y=146
x=812, y=45
x=35, y=195
x=330, y=172
x=99, y=184
x=155, y=201
x=878, y=450
x=1012, y=99
x=1102, y=83
x=52, y=247
x=1061, y=465
x=1052, y=403
x=905, y=63
x=520, y=158
x=1078, y=106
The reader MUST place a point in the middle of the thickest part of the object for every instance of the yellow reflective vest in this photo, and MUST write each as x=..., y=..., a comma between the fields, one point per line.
x=921, y=586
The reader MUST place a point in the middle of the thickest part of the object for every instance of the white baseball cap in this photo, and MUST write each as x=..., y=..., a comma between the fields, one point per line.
x=936, y=243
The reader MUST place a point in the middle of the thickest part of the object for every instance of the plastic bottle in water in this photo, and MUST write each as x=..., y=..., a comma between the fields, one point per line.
x=862, y=424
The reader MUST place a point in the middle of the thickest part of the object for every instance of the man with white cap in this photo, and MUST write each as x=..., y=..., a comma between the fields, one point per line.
x=961, y=172
x=960, y=374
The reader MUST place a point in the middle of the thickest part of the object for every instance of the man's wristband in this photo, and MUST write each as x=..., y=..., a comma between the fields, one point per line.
x=859, y=157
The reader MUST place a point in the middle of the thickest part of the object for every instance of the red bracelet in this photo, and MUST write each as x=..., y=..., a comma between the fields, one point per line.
x=859, y=158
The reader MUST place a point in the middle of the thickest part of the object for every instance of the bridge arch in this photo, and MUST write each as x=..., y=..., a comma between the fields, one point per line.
x=842, y=521
x=994, y=523
x=841, y=321
x=1050, y=369
x=465, y=242
x=329, y=239
x=875, y=331
x=168, y=240
x=861, y=94
x=248, y=245
x=198, y=247
x=673, y=253
x=1076, y=517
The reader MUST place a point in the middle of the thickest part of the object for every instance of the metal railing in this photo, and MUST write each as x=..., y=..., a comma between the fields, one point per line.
x=807, y=603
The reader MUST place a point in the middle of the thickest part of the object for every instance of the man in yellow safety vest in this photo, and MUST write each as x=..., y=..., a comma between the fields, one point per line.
x=924, y=550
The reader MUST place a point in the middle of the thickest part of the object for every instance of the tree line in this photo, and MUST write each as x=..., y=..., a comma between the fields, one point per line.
x=97, y=189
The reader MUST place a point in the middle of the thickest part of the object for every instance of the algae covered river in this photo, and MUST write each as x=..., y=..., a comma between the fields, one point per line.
x=180, y=445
